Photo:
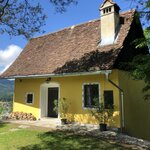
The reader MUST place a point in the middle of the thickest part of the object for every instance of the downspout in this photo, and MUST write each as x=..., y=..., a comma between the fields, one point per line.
x=122, y=100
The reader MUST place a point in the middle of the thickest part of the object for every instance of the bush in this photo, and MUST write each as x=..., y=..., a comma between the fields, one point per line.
x=62, y=106
x=101, y=114
x=1, y=110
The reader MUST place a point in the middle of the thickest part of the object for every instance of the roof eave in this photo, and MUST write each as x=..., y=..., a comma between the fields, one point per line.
x=59, y=75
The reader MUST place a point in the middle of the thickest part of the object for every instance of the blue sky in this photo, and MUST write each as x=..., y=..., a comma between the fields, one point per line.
x=85, y=10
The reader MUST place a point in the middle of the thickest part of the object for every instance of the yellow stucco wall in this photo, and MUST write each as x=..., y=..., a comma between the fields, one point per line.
x=137, y=120
x=137, y=111
x=70, y=88
x=21, y=88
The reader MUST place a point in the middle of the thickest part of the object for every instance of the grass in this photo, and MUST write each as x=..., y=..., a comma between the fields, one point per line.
x=40, y=139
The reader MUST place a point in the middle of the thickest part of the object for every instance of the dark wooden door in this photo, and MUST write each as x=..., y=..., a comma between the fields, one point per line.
x=52, y=95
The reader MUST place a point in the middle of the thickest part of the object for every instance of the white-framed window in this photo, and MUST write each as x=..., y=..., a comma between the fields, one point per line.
x=29, y=98
x=91, y=94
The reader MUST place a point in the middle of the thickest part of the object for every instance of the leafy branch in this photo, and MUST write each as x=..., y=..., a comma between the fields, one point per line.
x=25, y=17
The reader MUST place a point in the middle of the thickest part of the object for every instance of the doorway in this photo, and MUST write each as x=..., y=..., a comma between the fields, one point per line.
x=53, y=94
x=48, y=93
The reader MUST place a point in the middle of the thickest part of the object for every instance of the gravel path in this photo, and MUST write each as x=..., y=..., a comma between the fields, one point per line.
x=112, y=136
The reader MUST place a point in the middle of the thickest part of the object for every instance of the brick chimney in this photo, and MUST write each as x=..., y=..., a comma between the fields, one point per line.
x=110, y=22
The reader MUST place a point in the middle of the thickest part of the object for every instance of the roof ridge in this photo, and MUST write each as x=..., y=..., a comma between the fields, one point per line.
x=130, y=10
x=70, y=27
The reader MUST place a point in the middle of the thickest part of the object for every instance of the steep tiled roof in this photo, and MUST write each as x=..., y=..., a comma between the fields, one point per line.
x=73, y=49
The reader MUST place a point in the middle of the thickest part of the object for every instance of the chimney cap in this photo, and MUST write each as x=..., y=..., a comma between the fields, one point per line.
x=111, y=2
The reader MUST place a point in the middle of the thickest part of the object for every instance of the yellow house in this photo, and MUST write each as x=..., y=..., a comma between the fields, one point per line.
x=81, y=63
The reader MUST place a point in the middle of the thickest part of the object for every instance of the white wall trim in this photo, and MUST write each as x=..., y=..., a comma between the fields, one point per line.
x=44, y=87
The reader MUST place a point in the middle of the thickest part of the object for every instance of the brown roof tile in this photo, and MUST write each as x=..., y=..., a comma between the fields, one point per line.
x=73, y=49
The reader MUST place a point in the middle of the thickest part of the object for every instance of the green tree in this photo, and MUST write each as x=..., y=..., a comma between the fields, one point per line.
x=26, y=17
x=143, y=8
x=1, y=110
x=140, y=66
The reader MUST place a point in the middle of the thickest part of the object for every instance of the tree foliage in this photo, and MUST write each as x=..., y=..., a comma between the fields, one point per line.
x=26, y=17
x=145, y=41
x=1, y=110
x=60, y=5
x=6, y=97
x=101, y=114
x=143, y=8
x=140, y=66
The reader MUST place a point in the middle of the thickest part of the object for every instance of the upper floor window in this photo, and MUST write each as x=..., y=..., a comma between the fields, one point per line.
x=90, y=95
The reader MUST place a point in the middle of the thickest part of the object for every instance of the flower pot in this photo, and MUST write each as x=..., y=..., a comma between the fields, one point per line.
x=63, y=121
x=103, y=127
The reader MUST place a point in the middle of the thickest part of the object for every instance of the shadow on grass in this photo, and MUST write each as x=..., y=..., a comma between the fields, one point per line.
x=68, y=141
x=2, y=124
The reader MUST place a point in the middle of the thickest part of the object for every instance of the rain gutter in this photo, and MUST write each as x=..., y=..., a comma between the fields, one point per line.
x=60, y=75
x=122, y=100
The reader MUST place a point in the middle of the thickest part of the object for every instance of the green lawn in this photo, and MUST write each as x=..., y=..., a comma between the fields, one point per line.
x=42, y=139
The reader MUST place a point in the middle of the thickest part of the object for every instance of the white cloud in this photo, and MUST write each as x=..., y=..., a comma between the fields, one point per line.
x=8, y=55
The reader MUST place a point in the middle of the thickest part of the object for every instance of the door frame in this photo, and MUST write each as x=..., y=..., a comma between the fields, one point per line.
x=44, y=87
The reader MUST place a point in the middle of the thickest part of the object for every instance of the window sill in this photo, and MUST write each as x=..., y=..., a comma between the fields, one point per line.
x=89, y=108
x=29, y=103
